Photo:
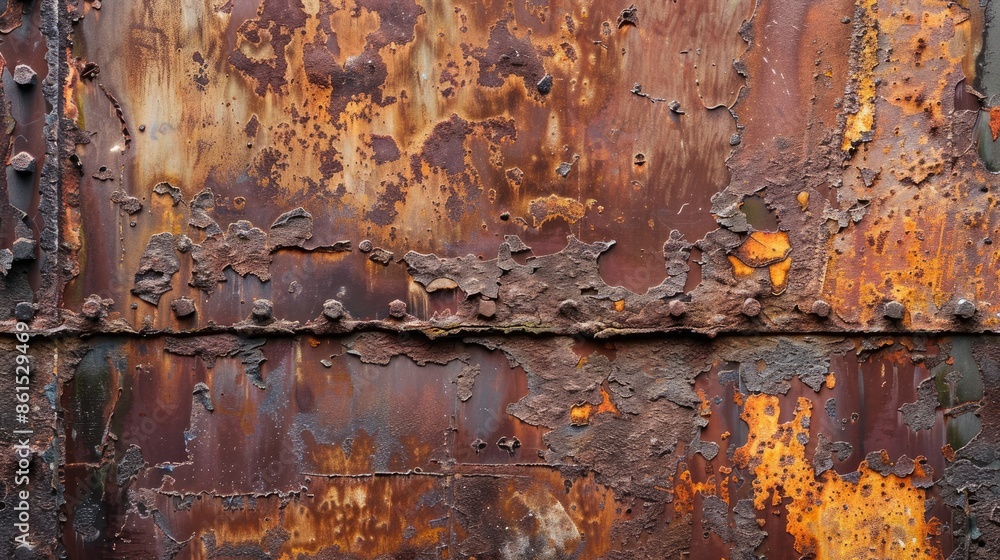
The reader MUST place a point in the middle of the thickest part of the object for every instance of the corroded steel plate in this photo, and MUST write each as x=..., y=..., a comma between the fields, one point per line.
x=476, y=279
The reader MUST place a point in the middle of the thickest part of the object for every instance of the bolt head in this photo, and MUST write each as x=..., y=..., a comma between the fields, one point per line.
x=544, y=86
x=568, y=306
x=24, y=75
x=751, y=307
x=24, y=311
x=94, y=308
x=676, y=308
x=821, y=308
x=183, y=243
x=183, y=307
x=397, y=309
x=23, y=162
x=24, y=249
x=262, y=310
x=333, y=310
x=965, y=309
x=487, y=308
x=894, y=310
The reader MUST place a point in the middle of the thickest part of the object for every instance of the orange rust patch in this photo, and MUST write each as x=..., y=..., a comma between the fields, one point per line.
x=334, y=459
x=919, y=165
x=829, y=517
x=740, y=270
x=724, y=484
x=685, y=489
x=803, y=198
x=620, y=305
x=705, y=407
x=831, y=380
x=995, y=122
x=763, y=248
x=778, y=273
x=580, y=414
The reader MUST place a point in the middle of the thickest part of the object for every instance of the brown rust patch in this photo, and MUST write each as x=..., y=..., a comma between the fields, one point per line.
x=11, y=17
x=378, y=111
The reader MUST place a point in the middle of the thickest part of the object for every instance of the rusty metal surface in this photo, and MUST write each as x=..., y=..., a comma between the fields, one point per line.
x=401, y=131
x=406, y=451
x=477, y=279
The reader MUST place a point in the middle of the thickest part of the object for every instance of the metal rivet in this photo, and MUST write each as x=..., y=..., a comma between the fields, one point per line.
x=487, y=308
x=24, y=249
x=24, y=311
x=262, y=310
x=676, y=308
x=95, y=308
x=568, y=306
x=23, y=162
x=821, y=308
x=183, y=307
x=894, y=310
x=397, y=309
x=333, y=310
x=751, y=307
x=965, y=309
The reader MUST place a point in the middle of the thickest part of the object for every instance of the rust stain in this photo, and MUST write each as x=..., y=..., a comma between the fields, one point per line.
x=778, y=274
x=861, y=117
